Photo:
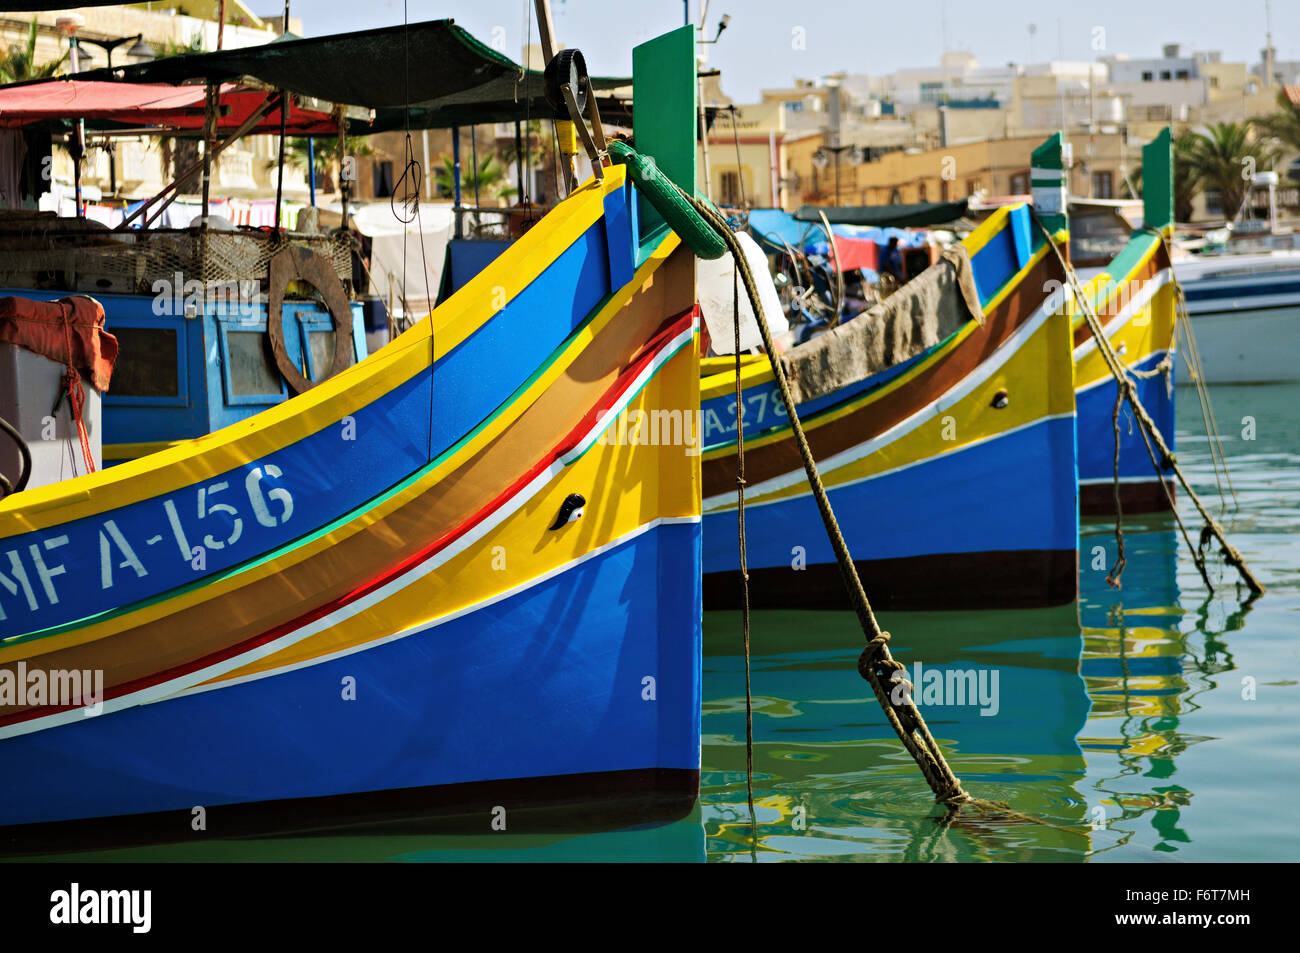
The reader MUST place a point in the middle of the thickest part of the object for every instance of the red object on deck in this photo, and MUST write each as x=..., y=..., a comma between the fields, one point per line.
x=69, y=331
x=856, y=253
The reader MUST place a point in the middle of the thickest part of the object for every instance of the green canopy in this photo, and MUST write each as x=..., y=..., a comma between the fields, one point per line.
x=440, y=70
x=916, y=215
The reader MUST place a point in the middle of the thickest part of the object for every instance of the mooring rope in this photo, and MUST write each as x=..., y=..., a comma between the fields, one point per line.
x=1150, y=432
x=1192, y=356
x=1117, y=571
x=744, y=562
x=875, y=664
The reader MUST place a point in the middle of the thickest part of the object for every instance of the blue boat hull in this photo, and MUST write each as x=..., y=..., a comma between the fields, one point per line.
x=438, y=716
x=914, y=530
x=1140, y=490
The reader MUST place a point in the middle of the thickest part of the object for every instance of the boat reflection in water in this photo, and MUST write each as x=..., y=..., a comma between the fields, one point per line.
x=830, y=778
x=1086, y=737
x=1144, y=668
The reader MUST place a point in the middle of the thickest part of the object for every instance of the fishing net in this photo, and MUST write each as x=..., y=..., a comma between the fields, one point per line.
x=46, y=253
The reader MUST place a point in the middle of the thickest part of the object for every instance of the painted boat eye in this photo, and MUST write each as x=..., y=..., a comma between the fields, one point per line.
x=1001, y=399
x=571, y=509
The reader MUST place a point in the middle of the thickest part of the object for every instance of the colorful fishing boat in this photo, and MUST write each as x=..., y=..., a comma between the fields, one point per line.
x=949, y=459
x=429, y=585
x=1135, y=297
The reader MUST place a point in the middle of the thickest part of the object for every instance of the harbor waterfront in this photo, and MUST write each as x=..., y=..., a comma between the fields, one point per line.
x=1131, y=723
x=573, y=463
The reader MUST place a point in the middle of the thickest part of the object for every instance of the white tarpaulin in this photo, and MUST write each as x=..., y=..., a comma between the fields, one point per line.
x=718, y=285
x=388, y=235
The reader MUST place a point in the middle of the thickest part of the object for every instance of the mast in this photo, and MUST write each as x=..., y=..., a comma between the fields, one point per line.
x=565, y=132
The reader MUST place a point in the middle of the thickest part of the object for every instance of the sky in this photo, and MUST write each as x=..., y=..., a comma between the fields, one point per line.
x=761, y=47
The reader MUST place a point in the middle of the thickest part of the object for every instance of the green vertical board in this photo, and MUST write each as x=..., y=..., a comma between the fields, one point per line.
x=1049, y=175
x=665, y=112
x=1158, y=181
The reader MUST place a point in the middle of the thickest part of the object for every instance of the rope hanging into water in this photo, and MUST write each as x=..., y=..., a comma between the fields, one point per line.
x=881, y=671
x=876, y=665
x=744, y=559
x=1150, y=432
x=1192, y=357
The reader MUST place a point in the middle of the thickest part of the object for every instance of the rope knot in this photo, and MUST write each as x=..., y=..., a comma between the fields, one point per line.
x=875, y=662
x=953, y=794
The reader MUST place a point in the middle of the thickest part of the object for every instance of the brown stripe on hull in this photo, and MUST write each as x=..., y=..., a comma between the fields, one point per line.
x=782, y=456
x=1098, y=499
x=1016, y=579
x=190, y=634
x=1155, y=264
x=571, y=803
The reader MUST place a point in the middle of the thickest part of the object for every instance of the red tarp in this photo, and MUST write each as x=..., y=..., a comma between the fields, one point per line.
x=69, y=331
x=156, y=104
x=856, y=253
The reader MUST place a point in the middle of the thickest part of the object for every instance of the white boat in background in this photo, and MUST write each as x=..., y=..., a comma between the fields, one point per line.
x=1245, y=313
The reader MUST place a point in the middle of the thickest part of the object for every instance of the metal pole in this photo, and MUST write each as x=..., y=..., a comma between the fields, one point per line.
x=545, y=29
x=455, y=180
x=284, y=117
x=428, y=179
x=519, y=159
x=210, y=100
x=78, y=134
x=279, y=182
x=473, y=159
x=341, y=149
x=311, y=168
x=111, y=146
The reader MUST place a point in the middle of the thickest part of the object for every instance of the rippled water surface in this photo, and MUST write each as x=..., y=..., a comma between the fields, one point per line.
x=1155, y=722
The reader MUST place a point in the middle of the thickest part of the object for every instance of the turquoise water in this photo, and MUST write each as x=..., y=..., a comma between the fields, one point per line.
x=1156, y=722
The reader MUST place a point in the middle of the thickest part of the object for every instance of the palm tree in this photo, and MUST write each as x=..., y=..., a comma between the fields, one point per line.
x=20, y=62
x=490, y=178
x=1222, y=157
x=1283, y=125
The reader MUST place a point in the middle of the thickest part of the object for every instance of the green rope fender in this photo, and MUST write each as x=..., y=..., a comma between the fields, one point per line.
x=698, y=235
